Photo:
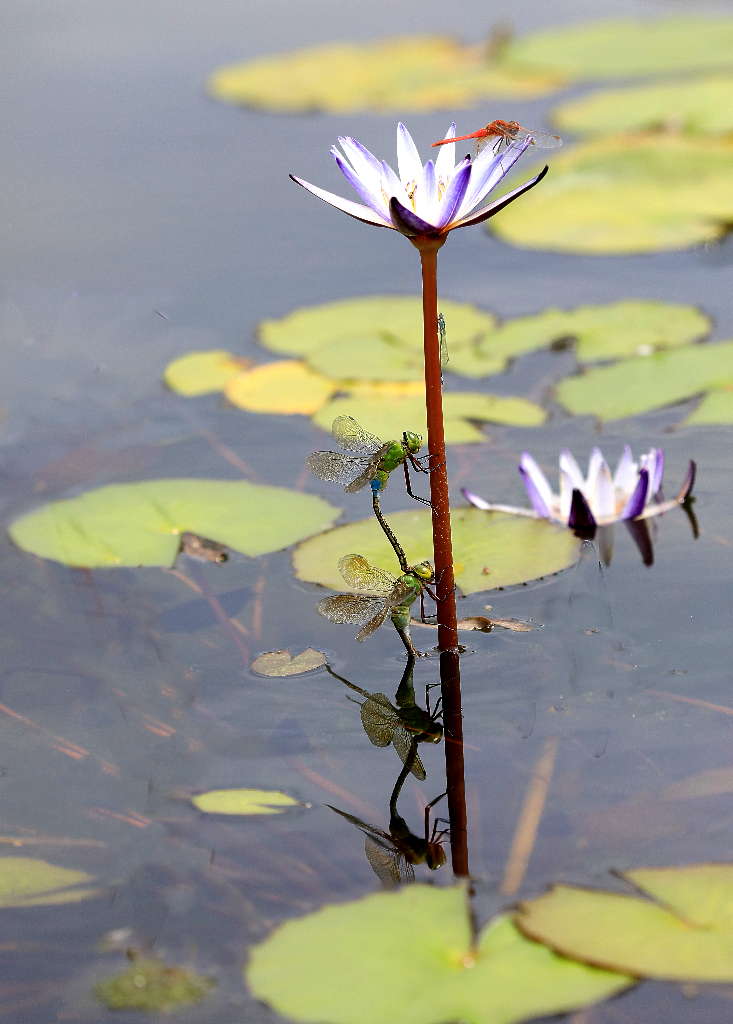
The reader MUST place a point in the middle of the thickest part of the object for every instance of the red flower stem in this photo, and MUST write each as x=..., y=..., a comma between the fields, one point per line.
x=450, y=676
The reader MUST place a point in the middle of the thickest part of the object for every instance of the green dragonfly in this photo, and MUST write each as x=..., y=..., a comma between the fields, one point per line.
x=382, y=595
x=444, y=357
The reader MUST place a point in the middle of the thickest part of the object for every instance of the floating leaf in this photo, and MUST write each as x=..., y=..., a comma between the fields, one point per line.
x=283, y=663
x=417, y=942
x=26, y=882
x=153, y=987
x=687, y=934
x=286, y=387
x=409, y=73
x=637, y=385
x=141, y=524
x=368, y=358
x=715, y=408
x=694, y=106
x=198, y=373
x=627, y=194
x=625, y=47
x=243, y=801
x=387, y=417
x=490, y=549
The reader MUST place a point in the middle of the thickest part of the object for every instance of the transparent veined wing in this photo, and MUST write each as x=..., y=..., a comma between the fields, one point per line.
x=353, y=438
x=379, y=719
x=337, y=468
x=406, y=747
x=387, y=863
x=374, y=624
x=366, y=477
x=351, y=608
x=361, y=575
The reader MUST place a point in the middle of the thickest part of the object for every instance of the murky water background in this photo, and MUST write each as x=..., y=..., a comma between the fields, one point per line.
x=127, y=195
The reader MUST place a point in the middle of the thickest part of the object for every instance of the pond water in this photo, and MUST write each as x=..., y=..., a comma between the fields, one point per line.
x=146, y=221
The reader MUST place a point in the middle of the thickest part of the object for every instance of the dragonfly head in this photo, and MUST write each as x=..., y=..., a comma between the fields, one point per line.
x=412, y=441
x=434, y=734
x=423, y=571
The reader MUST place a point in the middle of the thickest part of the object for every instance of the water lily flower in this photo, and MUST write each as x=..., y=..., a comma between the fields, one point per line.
x=598, y=499
x=423, y=200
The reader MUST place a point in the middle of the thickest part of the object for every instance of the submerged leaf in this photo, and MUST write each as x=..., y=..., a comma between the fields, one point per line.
x=283, y=663
x=408, y=73
x=417, y=942
x=490, y=549
x=141, y=524
x=199, y=373
x=627, y=194
x=287, y=387
x=243, y=801
x=624, y=47
x=27, y=882
x=152, y=986
x=685, y=935
x=638, y=385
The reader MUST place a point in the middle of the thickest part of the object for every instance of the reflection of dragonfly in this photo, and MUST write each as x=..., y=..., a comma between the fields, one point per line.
x=382, y=595
x=392, y=855
x=504, y=132
x=401, y=723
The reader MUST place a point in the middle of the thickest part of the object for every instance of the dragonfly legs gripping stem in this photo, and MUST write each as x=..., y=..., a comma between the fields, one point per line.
x=398, y=550
x=408, y=483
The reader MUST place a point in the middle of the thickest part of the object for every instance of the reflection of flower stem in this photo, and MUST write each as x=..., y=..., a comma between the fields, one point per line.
x=450, y=679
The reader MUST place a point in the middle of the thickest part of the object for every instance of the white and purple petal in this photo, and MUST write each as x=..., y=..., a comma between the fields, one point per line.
x=538, y=489
x=373, y=198
x=454, y=193
x=353, y=209
x=447, y=156
x=635, y=505
x=493, y=208
x=409, y=164
x=407, y=222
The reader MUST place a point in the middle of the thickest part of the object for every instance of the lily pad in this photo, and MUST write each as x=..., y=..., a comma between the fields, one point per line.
x=368, y=358
x=286, y=387
x=152, y=986
x=701, y=106
x=403, y=73
x=715, y=408
x=26, y=882
x=283, y=663
x=635, y=386
x=623, y=47
x=387, y=417
x=199, y=373
x=417, y=942
x=686, y=934
x=627, y=194
x=141, y=523
x=243, y=801
x=490, y=549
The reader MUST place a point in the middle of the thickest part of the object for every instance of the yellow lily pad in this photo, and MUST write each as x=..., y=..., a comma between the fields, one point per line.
x=685, y=934
x=620, y=48
x=417, y=942
x=199, y=373
x=287, y=387
x=283, y=663
x=490, y=549
x=387, y=416
x=716, y=408
x=27, y=882
x=701, y=106
x=403, y=73
x=636, y=386
x=627, y=194
x=243, y=801
x=142, y=523
x=151, y=986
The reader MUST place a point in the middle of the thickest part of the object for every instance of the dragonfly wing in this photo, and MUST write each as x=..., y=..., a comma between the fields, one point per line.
x=337, y=468
x=365, y=477
x=379, y=719
x=375, y=622
x=360, y=575
x=388, y=864
x=353, y=438
x=403, y=743
x=352, y=608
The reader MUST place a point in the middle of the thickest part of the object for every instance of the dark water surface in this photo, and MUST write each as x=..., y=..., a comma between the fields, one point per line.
x=127, y=192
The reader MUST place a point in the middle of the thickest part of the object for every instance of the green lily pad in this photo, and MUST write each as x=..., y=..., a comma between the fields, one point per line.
x=716, y=408
x=243, y=801
x=625, y=47
x=152, y=986
x=283, y=663
x=368, y=358
x=702, y=106
x=388, y=416
x=635, y=386
x=627, y=194
x=417, y=942
x=686, y=934
x=26, y=882
x=403, y=73
x=141, y=523
x=490, y=549
x=199, y=373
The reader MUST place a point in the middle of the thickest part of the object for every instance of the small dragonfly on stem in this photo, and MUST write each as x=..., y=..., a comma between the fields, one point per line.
x=382, y=595
x=502, y=133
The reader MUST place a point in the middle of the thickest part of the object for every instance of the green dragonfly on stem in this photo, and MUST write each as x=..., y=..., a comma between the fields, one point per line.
x=382, y=595
x=367, y=459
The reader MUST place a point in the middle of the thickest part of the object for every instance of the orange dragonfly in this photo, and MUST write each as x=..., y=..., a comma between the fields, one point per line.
x=505, y=132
